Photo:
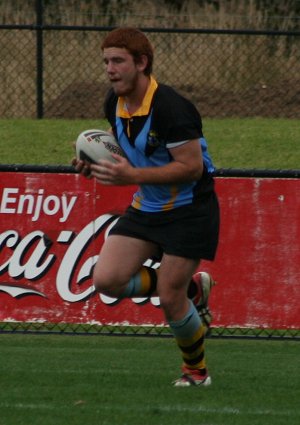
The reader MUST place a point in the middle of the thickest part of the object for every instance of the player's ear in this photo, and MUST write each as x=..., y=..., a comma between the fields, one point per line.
x=142, y=63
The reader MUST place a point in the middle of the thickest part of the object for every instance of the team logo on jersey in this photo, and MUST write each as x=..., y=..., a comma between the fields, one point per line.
x=152, y=144
x=152, y=139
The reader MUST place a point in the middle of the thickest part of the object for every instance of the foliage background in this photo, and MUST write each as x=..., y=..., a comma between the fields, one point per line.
x=247, y=14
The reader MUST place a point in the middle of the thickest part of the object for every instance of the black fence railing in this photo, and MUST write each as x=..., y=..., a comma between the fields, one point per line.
x=56, y=71
x=220, y=172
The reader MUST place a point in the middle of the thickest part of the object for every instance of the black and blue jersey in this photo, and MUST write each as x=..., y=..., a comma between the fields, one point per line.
x=165, y=120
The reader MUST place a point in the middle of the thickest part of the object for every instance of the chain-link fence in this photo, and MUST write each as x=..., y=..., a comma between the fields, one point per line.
x=49, y=71
x=57, y=72
x=146, y=331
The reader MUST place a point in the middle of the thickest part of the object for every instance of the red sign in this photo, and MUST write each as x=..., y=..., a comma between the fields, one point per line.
x=52, y=227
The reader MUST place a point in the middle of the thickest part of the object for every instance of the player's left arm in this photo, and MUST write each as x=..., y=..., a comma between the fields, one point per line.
x=186, y=165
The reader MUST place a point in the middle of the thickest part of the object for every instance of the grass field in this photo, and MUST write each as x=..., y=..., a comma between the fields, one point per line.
x=59, y=380
x=233, y=143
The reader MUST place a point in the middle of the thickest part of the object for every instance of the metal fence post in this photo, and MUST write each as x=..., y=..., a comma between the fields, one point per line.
x=39, y=59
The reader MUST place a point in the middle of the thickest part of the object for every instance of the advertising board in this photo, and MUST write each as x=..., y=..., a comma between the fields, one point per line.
x=52, y=227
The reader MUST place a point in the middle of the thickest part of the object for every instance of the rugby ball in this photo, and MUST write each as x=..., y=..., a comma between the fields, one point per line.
x=92, y=145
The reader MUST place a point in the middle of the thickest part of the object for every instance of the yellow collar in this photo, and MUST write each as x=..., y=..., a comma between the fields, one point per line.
x=144, y=109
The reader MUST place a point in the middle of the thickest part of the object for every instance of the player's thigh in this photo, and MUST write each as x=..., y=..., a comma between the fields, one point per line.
x=121, y=257
x=175, y=272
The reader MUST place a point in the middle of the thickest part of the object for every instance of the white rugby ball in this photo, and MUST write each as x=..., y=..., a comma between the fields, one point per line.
x=92, y=145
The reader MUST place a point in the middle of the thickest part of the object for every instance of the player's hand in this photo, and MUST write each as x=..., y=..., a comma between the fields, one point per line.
x=120, y=173
x=82, y=167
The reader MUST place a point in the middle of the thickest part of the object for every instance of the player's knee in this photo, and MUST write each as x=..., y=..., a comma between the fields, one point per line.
x=166, y=303
x=108, y=286
x=172, y=305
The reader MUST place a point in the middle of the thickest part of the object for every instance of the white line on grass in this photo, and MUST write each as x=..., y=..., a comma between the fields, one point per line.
x=162, y=408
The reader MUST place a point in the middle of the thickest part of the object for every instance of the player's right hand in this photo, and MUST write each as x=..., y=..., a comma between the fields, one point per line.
x=82, y=167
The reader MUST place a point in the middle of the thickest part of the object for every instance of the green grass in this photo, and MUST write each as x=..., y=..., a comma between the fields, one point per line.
x=233, y=143
x=254, y=143
x=41, y=141
x=103, y=380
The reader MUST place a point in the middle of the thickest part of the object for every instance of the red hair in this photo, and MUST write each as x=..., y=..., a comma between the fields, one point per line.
x=132, y=40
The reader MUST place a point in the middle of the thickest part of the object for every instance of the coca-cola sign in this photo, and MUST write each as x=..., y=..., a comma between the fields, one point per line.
x=52, y=227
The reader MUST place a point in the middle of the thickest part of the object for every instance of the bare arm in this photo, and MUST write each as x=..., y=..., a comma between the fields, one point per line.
x=187, y=165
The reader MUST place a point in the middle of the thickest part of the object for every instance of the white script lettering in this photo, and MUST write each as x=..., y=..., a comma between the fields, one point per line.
x=13, y=202
x=37, y=244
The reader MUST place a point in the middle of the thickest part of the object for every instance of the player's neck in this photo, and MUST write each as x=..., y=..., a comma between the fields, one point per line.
x=134, y=101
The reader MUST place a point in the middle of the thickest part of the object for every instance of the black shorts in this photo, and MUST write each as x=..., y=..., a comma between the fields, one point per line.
x=190, y=231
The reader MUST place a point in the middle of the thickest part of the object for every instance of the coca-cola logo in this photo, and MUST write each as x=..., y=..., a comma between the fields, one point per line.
x=32, y=258
x=50, y=242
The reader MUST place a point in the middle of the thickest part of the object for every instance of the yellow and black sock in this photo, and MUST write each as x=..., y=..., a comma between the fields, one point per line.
x=142, y=284
x=189, y=334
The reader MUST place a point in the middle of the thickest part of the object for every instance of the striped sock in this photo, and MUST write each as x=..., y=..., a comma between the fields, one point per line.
x=142, y=284
x=189, y=334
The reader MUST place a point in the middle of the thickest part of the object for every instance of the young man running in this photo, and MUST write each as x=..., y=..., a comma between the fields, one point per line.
x=174, y=214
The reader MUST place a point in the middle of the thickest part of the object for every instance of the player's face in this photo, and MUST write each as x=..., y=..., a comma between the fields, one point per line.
x=121, y=69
